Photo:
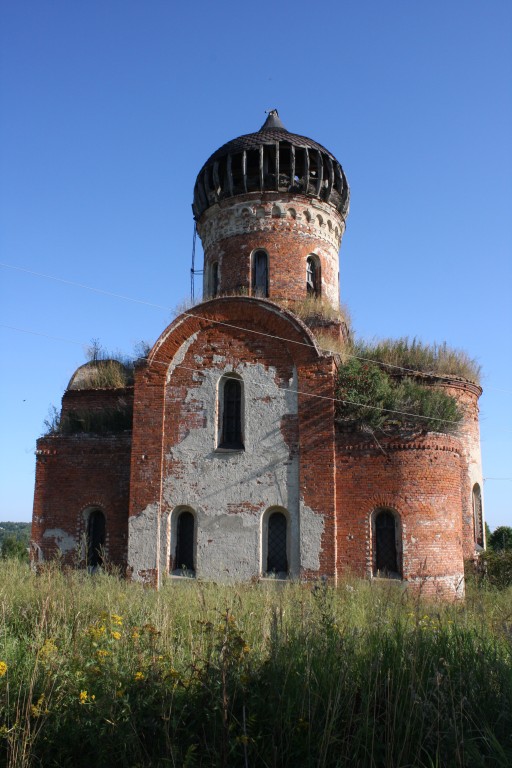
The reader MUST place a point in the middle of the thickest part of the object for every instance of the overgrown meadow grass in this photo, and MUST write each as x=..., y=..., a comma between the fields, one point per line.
x=98, y=671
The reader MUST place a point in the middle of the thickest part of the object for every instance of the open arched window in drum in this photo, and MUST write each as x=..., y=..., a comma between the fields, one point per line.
x=313, y=275
x=214, y=279
x=260, y=273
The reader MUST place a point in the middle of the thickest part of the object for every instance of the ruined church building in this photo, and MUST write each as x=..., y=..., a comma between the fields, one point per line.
x=224, y=458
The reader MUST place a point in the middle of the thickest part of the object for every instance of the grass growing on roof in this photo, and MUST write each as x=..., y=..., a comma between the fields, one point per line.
x=415, y=355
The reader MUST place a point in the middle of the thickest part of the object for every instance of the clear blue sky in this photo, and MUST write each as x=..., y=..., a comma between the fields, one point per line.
x=109, y=109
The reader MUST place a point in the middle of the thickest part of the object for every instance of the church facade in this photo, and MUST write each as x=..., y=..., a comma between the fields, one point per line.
x=225, y=458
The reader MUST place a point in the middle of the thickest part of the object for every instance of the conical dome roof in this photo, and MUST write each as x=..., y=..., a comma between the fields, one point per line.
x=272, y=159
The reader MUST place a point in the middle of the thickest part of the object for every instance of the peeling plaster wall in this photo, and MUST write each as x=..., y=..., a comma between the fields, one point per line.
x=62, y=540
x=229, y=490
x=143, y=539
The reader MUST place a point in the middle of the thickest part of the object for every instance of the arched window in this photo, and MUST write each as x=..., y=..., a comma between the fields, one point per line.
x=313, y=276
x=260, y=273
x=277, y=535
x=477, y=516
x=185, y=541
x=214, y=279
x=230, y=413
x=95, y=538
x=386, y=555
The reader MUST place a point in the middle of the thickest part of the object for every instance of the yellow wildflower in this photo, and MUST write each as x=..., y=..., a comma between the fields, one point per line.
x=3, y=668
x=83, y=697
x=139, y=676
x=116, y=619
x=39, y=708
x=116, y=635
x=48, y=648
x=96, y=632
x=101, y=654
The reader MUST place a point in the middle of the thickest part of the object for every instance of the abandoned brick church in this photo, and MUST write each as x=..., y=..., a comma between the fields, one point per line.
x=224, y=454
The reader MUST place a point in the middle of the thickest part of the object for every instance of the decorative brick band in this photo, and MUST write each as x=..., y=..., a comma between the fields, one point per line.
x=255, y=213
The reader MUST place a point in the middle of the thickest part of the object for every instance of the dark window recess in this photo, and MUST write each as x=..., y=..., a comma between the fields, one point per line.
x=312, y=276
x=95, y=538
x=185, y=542
x=277, y=561
x=215, y=278
x=386, y=561
x=260, y=274
x=477, y=516
x=232, y=415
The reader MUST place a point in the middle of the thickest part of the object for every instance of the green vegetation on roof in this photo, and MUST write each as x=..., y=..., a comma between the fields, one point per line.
x=373, y=399
x=417, y=356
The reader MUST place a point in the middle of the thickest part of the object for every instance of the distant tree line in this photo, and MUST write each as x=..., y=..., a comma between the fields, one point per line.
x=14, y=540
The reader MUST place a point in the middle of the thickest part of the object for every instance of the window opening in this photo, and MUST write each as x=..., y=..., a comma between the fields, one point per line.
x=477, y=516
x=260, y=274
x=231, y=434
x=215, y=278
x=277, y=561
x=95, y=538
x=185, y=542
x=386, y=557
x=312, y=282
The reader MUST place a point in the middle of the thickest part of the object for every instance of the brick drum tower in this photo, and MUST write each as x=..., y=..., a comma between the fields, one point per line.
x=224, y=457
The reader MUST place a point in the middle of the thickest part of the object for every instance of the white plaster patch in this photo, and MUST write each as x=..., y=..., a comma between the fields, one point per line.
x=180, y=354
x=65, y=541
x=230, y=490
x=142, y=541
x=311, y=530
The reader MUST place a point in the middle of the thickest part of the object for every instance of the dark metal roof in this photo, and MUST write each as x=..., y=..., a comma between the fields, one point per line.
x=271, y=131
x=272, y=159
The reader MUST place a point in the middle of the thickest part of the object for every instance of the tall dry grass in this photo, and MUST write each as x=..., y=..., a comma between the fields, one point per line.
x=95, y=670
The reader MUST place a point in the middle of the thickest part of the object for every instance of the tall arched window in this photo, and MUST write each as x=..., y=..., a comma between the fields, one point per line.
x=260, y=273
x=185, y=541
x=95, y=538
x=313, y=276
x=214, y=278
x=230, y=413
x=277, y=535
x=477, y=516
x=386, y=555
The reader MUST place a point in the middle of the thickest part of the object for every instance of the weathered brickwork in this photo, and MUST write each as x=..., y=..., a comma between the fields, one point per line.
x=75, y=474
x=289, y=228
x=234, y=427
x=420, y=481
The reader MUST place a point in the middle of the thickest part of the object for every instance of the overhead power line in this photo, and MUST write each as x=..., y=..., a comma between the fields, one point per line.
x=228, y=325
x=291, y=391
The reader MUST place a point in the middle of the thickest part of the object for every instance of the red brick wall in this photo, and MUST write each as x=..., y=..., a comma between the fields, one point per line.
x=229, y=238
x=76, y=472
x=96, y=400
x=421, y=481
